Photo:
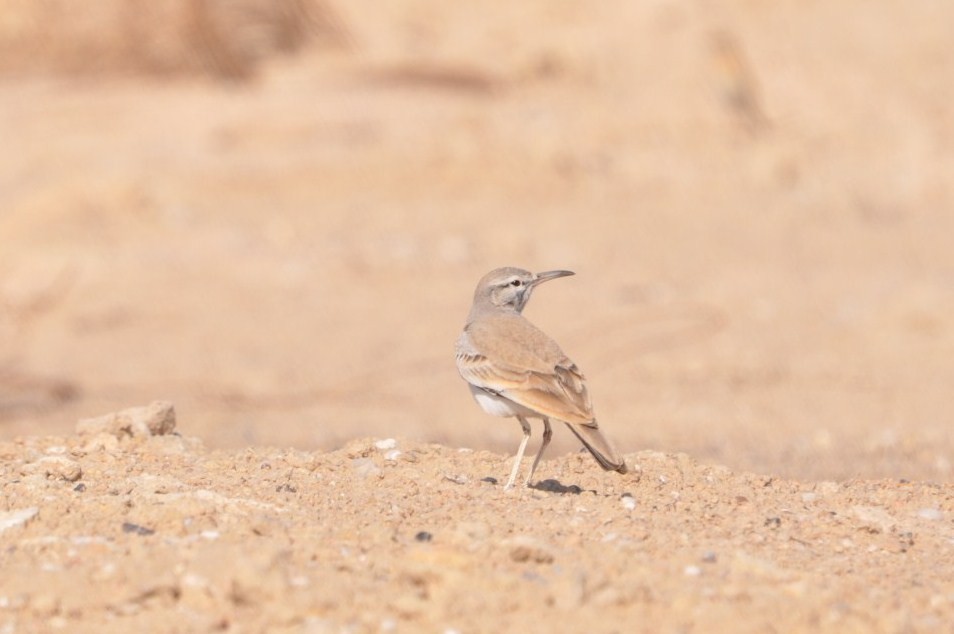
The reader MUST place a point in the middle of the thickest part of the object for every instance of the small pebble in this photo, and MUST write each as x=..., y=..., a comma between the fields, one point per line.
x=9, y=519
x=387, y=443
x=129, y=527
x=629, y=502
x=692, y=571
x=365, y=467
x=55, y=468
x=156, y=419
x=930, y=514
x=392, y=455
x=423, y=536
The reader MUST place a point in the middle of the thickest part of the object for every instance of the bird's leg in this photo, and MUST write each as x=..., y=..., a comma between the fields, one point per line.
x=523, y=447
x=547, y=435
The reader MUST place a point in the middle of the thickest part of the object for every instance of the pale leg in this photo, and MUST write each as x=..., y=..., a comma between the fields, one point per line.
x=547, y=435
x=523, y=447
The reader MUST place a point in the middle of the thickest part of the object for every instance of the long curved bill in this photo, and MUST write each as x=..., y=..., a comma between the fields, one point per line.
x=549, y=275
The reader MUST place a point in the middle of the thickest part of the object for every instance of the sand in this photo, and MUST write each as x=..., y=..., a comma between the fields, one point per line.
x=278, y=229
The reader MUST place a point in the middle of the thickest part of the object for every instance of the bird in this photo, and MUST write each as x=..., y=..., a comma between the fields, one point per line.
x=514, y=369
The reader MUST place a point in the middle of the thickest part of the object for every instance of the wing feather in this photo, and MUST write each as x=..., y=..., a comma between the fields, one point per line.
x=527, y=367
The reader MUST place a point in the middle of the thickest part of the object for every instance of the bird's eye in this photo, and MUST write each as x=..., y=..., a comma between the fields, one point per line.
x=515, y=283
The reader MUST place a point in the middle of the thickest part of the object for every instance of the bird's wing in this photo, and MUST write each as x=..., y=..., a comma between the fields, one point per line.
x=518, y=361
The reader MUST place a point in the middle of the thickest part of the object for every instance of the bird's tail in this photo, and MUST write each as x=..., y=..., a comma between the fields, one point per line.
x=600, y=446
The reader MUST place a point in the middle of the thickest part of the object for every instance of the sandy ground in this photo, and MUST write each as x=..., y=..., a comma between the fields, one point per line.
x=758, y=203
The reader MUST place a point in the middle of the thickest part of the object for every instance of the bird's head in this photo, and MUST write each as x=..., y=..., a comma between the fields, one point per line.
x=509, y=288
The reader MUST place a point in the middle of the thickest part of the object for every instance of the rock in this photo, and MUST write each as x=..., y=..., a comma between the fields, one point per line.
x=11, y=519
x=156, y=419
x=524, y=548
x=873, y=519
x=101, y=442
x=365, y=467
x=54, y=468
x=930, y=514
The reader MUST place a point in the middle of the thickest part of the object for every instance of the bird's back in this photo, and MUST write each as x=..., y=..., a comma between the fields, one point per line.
x=507, y=354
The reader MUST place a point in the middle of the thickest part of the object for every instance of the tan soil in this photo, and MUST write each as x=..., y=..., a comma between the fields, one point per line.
x=758, y=202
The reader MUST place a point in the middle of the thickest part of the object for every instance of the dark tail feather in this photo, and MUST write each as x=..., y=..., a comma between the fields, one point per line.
x=601, y=448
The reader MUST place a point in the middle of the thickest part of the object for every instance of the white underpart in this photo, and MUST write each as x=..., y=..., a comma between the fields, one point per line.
x=498, y=405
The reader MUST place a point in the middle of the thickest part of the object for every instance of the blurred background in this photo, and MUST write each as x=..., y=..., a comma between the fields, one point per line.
x=274, y=213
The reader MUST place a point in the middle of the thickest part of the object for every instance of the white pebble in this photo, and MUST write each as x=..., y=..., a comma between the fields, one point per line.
x=692, y=571
x=392, y=455
x=930, y=514
x=365, y=467
x=387, y=443
x=629, y=503
x=9, y=519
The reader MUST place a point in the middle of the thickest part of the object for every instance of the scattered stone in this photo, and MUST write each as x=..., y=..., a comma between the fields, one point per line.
x=80, y=488
x=101, y=442
x=528, y=549
x=392, y=455
x=873, y=519
x=365, y=467
x=628, y=501
x=11, y=519
x=54, y=468
x=129, y=527
x=156, y=419
x=826, y=487
x=692, y=571
x=387, y=443
x=930, y=514
x=423, y=536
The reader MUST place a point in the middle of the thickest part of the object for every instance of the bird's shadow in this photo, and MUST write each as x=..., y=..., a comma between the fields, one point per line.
x=555, y=486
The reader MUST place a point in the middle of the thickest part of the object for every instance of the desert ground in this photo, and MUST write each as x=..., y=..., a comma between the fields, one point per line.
x=259, y=225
